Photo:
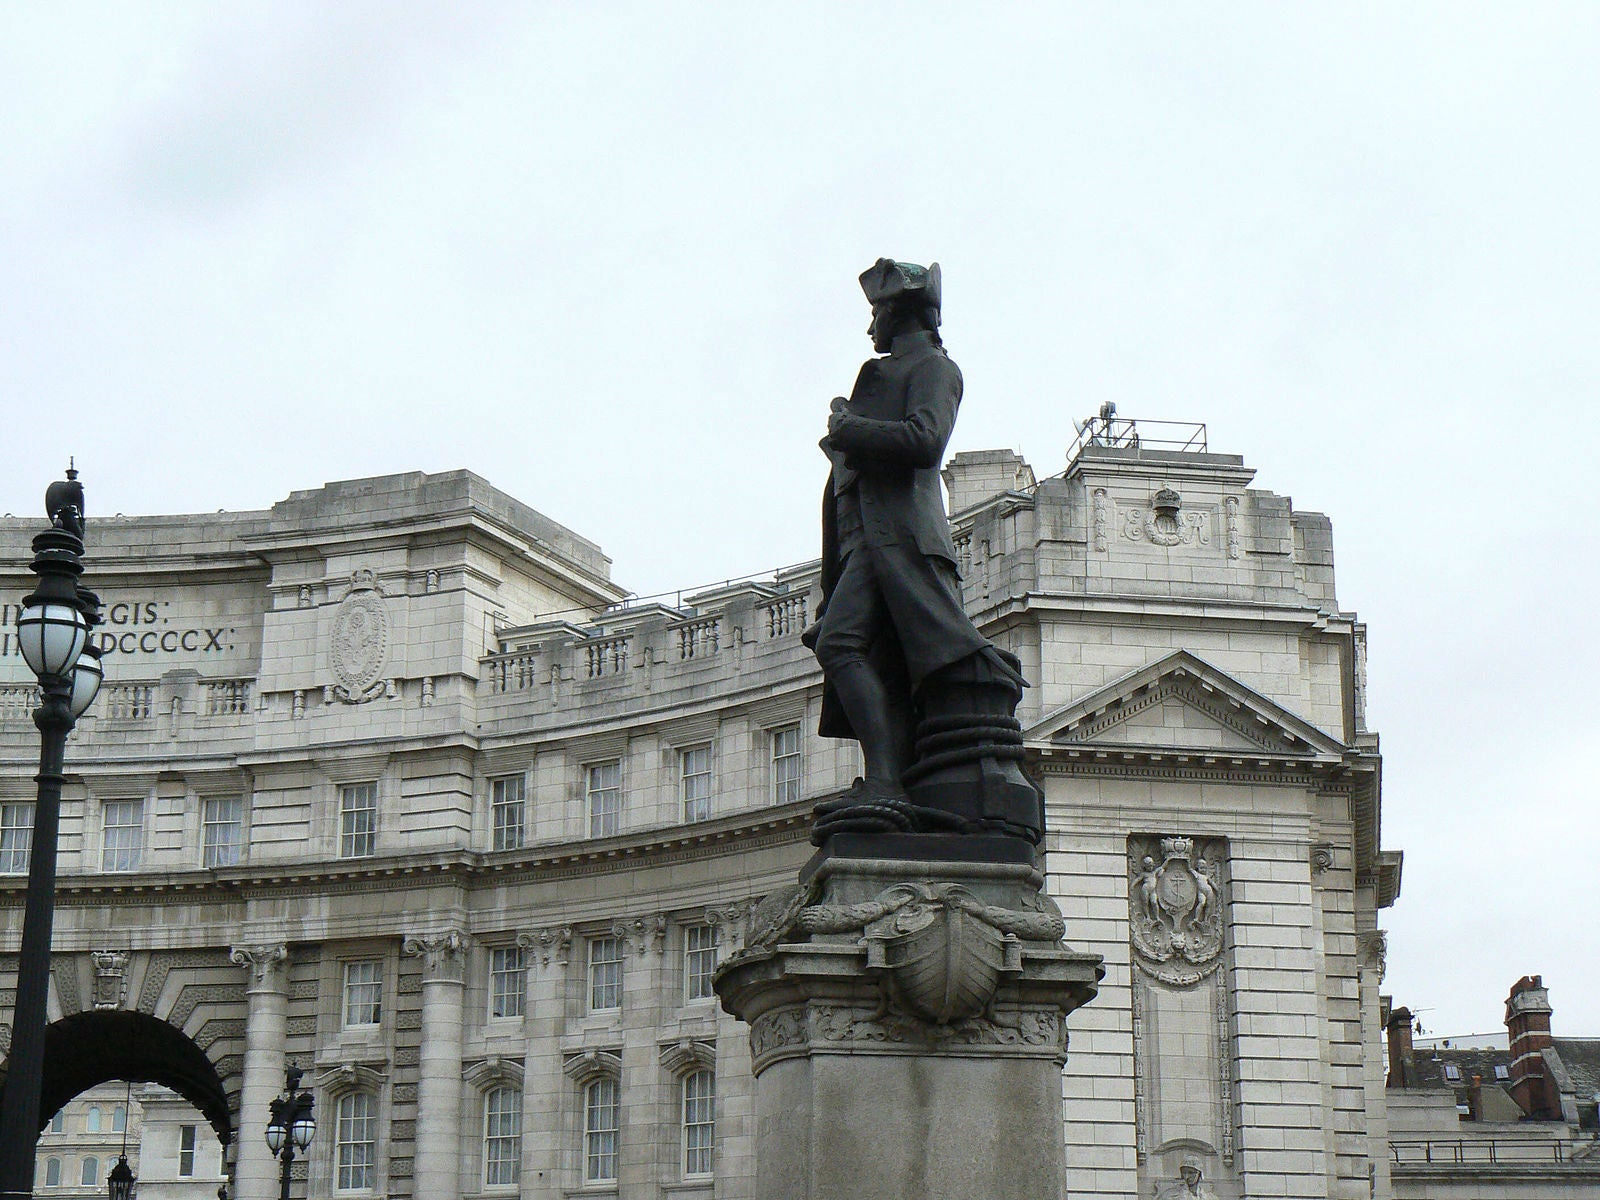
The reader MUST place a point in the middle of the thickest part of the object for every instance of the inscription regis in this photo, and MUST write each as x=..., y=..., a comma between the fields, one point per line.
x=135, y=627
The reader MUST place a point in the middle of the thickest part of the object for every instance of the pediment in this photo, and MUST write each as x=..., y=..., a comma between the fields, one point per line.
x=1182, y=703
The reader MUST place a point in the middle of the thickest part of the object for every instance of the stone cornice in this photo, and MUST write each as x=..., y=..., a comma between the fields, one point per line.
x=1140, y=608
x=754, y=830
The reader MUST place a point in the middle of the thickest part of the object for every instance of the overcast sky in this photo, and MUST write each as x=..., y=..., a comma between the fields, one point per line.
x=605, y=255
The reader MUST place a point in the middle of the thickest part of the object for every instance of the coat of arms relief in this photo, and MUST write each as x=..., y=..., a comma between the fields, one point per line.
x=359, y=647
x=1175, y=895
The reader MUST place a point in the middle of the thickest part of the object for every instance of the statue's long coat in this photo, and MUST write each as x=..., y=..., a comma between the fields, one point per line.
x=891, y=442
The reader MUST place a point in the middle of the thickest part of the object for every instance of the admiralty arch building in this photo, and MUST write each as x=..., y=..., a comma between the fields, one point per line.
x=391, y=782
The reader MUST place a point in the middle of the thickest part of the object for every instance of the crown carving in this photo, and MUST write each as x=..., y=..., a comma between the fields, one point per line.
x=1177, y=847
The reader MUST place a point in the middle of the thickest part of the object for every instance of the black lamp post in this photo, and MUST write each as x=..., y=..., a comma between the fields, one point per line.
x=53, y=629
x=120, y=1179
x=291, y=1126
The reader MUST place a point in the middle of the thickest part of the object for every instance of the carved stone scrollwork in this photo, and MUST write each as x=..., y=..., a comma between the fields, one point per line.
x=1372, y=951
x=641, y=935
x=1235, y=542
x=551, y=943
x=1175, y=900
x=1100, y=520
x=1165, y=523
x=443, y=954
x=774, y=916
x=267, y=964
x=731, y=922
x=110, y=977
x=941, y=950
x=591, y=1065
x=785, y=1031
x=689, y=1054
x=1321, y=857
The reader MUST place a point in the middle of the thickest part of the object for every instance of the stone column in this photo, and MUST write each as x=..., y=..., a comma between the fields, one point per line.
x=908, y=1027
x=266, y=1023
x=548, y=952
x=438, y=1141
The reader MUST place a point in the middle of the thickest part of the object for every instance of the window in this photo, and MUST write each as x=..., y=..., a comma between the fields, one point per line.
x=58, y=1123
x=508, y=982
x=222, y=830
x=186, y=1139
x=502, y=1137
x=699, y=1121
x=1452, y=1072
x=507, y=804
x=52, y=1172
x=355, y=1142
x=91, y=1122
x=605, y=974
x=603, y=788
x=123, y=825
x=119, y=1118
x=694, y=769
x=786, y=764
x=602, y=1106
x=89, y=1176
x=363, y=993
x=16, y=838
x=358, y=820
x=1502, y=1072
x=699, y=961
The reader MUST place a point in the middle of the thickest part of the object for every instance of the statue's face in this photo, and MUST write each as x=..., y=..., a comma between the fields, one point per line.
x=1191, y=1175
x=881, y=329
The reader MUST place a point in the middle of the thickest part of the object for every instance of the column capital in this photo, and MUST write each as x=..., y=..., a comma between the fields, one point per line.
x=268, y=964
x=443, y=954
x=641, y=935
x=552, y=942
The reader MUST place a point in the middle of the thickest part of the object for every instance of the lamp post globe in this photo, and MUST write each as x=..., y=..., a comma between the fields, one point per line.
x=291, y=1125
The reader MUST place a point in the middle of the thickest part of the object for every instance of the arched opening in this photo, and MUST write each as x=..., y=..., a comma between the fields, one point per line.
x=91, y=1048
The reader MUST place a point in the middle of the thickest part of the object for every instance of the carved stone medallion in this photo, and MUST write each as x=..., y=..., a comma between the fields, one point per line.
x=1175, y=902
x=1167, y=523
x=360, y=644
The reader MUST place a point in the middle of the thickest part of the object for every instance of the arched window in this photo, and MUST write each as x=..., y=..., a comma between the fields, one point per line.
x=502, y=1137
x=699, y=1121
x=119, y=1118
x=52, y=1172
x=58, y=1123
x=355, y=1141
x=90, y=1175
x=91, y=1123
x=602, y=1112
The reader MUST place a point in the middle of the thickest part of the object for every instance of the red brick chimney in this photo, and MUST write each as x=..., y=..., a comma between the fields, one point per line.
x=1402, y=1061
x=1528, y=1029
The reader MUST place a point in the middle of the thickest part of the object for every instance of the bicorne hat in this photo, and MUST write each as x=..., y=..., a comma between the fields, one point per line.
x=887, y=281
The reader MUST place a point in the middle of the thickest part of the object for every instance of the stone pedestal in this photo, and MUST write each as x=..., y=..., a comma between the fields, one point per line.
x=908, y=1025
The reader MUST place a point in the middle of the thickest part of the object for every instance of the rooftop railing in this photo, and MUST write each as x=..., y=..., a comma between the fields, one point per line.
x=1478, y=1151
x=1108, y=429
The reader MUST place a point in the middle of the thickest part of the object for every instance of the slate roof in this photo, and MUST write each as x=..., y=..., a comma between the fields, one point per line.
x=1581, y=1058
x=1431, y=1065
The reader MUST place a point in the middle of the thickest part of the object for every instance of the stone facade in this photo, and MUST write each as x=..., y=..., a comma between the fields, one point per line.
x=388, y=781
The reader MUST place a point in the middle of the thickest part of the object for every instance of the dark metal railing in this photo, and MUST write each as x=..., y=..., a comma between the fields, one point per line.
x=1184, y=437
x=1477, y=1151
